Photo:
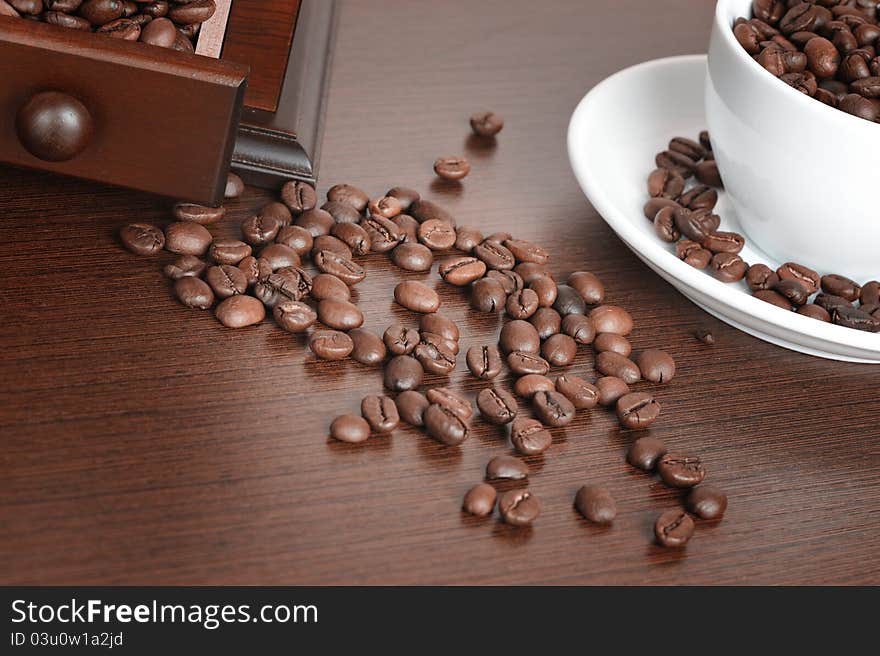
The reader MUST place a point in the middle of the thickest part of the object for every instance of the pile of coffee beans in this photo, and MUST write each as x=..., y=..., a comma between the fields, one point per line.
x=165, y=23
x=299, y=262
x=826, y=49
x=683, y=195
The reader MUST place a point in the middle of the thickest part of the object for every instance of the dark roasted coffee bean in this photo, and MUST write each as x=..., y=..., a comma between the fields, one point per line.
x=664, y=226
x=437, y=235
x=611, y=319
x=676, y=162
x=807, y=277
x=368, y=347
x=346, y=270
x=229, y=251
x=707, y=502
x=352, y=235
x=184, y=267
x=234, y=184
x=579, y=327
x=416, y=296
x=411, y=406
x=344, y=193
x=407, y=228
x=815, y=312
x=350, y=428
x=444, y=425
x=596, y=504
x=612, y=342
x=792, y=290
x=194, y=292
x=142, y=238
x=258, y=229
x=645, y=452
x=687, y=147
x=530, y=384
x=760, y=276
x=239, y=311
x=869, y=87
x=611, y=389
x=529, y=436
x=462, y=271
x=404, y=195
x=198, y=213
x=519, y=507
x=403, y=372
x=656, y=366
x=67, y=21
x=663, y=183
x=546, y=291
x=226, y=280
x=452, y=167
x=728, y=267
x=529, y=271
x=579, y=392
x=380, y=412
x=723, y=242
x=297, y=238
x=299, y=196
x=769, y=11
x=510, y=281
x=340, y=315
x=822, y=57
x=692, y=224
x=499, y=237
x=342, y=212
x=435, y=355
x=294, y=316
x=486, y=124
x=424, y=210
x=830, y=302
x=466, y=238
x=412, y=257
x=870, y=294
x=858, y=105
x=852, y=317
x=693, y=254
x=316, y=221
x=479, y=500
x=384, y=234
x=707, y=173
x=654, y=205
x=197, y=11
x=681, y=471
x=553, y=408
x=526, y=251
x=99, y=12
x=522, y=304
x=255, y=269
x=521, y=363
x=773, y=298
x=519, y=335
x=331, y=344
x=487, y=295
x=484, y=361
x=609, y=363
x=673, y=528
x=451, y=400
x=280, y=256
x=387, y=207
x=700, y=197
x=326, y=285
x=559, y=350
x=569, y=301
x=185, y=238
x=494, y=255
x=497, y=406
x=400, y=340
x=440, y=325
x=279, y=212
x=637, y=410
x=841, y=286
x=506, y=468
x=547, y=322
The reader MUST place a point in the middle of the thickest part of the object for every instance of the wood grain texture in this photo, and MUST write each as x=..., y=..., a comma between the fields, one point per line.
x=145, y=444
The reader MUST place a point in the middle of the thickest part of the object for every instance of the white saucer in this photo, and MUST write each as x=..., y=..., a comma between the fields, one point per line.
x=613, y=136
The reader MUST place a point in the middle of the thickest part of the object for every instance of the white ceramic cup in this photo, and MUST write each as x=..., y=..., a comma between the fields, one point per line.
x=803, y=177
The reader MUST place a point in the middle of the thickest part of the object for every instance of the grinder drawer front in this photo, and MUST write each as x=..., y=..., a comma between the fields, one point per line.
x=112, y=111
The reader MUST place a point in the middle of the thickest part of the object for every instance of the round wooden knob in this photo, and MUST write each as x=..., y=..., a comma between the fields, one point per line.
x=54, y=126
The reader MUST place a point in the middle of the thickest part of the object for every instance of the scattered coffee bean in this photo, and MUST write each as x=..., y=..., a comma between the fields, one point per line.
x=870, y=294
x=142, y=238
x=194, y=292
x=486, y=124
x=526, y=251
x=529, y=271
x=487, y=295
x=645, y=452
x=416, y=296
x=840, y=286
x=700, y=197
x=705, y=336
x=331, y=243
x=851, y=317
x=830, y=303
x=350, y=428
x=439, y=325
x=424, y=210
x=612, y=342
x=496, y=406
x=773, y=298
x=348, y=271
x=279, y=256
x=297, y=238
x=368, y=347
x=596, y=504
x=519, y=335
x=792, y=290
x=435, y=356
x=559, y=350
x=494, y=255
x=484, y=361
x=467, y=238
x=656, y=366
x=404, y=195
x=387, y=206
x=609, y=363
x=546, y=291
x=707, y=173
x=185, y=266
x=411, y=406
x=380, y=412
x=693, y=254
x=707, y=502
x=611, y=319
x=299, y=196
x=807, y=277
x=451, y=400
x=437, y=235
x=521, y=363
x=611, y=389
x=547, y=322
x=663, y=183
x=815, y=312
x=637, y=410
x=198, y=213
x=569, y=301
x=340, y=315
x=654, y=205
x=326, y=285
x=186, y=238
x=579, y=327
x=444, y=425
x=506, y=468
x=330, y=344
x=344, y=193
x=723, y=242
x=681, y=471
x=760, y=276
x=664, y=226
x=254, y=269
x=240, y=311
x=452, y=168
x=553, y=408
x=519, y=507
x=229, y=251
x=403, y=372
x=400, y=340
x=234, y=184
x=383, y=233
x=479, y=500
x=673, y=528
x=583, y=395
x=318, y=222
x=522, y=304
x=278, y=212
x=258, y=229
x=341, y=212
x=226, y=280
x=354, y=237
x=530, y=384
x=462, y=271
x=294, y=316
x=728, y=267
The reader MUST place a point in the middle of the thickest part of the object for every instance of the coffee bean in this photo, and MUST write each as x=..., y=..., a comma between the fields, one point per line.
x=486, y=124
x=522, y=364
x=240, y=311
x=254, y=269
x=519, y=507
x=198, y=213
x=407, y=228
x=569, y=301
x=580, y=328
x=645, y=452
x=453, y=401
x=553, y=408
x=870, y=294
x=484, y=361
x=184, y=267
x=400, y=340
x=289, y=283
x=830, y=303
x=444, y=425
x=387, y=207
x=341, y=212
x=479, y=500
x=579, y=392
x=258, y=229
x=676, y=162
x=519, y=335
x=687, y=147
x=693, y=254
x=368, y=347
x=840, y=286
x=162, y=33
x=822, y=57
x=529, y=436
x=412, y=257
x=695, y=225
x=596, y=504
x=664, y=226
x=559, y=350
x=462, y=271
x=331, y=344
x=760, y=276
x=663, y=183
x=611, y=342
x=194, y=292
x=434, y=355
x=773, y=298
x=402, y=372
x=416, y=296
x=411, y=406
x=547, y=322
x=226, y=280
x=326, y=285
x=494, y=255
x=707, y=502
x=673, y=528
x=858, y=105
x=380, y=413
x=611, y=319
x=452, y=168
x=506, y=468
x=186, y=238
x=654, y=205
x=530, y=271
x=637, y=410
x=424, y=210
x=344, y=193
x=723, y=242
x=656, y=366
x=611, y=389
x=350, y=428
x=294, y=316
x=851, y=317
x=510, y=281
x=614, y=364
x=404, y=195
x=142, y=238
x=330, y=243
x=440, y=325
x=297, y=238
x=792, y=290
x=705, y=336
x=229, y=251
x=234, y=184
x=522, y=304
x=340, y=315
x=437, y=235
x=467, y=238
x=728, y=267
x=318, y=222
x=701, y=197
x=497, y=406
x=807, y=277
x=348, y=271
x=299, y=196
x=530, y=384
x=546, y=291
x=487, y=295
x=279, y=256
x=815, y=312
x=768, y=11
x=384, y=234
x=353, y=236
x=526, y=251
x=681, y=471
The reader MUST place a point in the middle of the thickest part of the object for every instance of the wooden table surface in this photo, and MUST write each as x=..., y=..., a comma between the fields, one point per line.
x=143, y=443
